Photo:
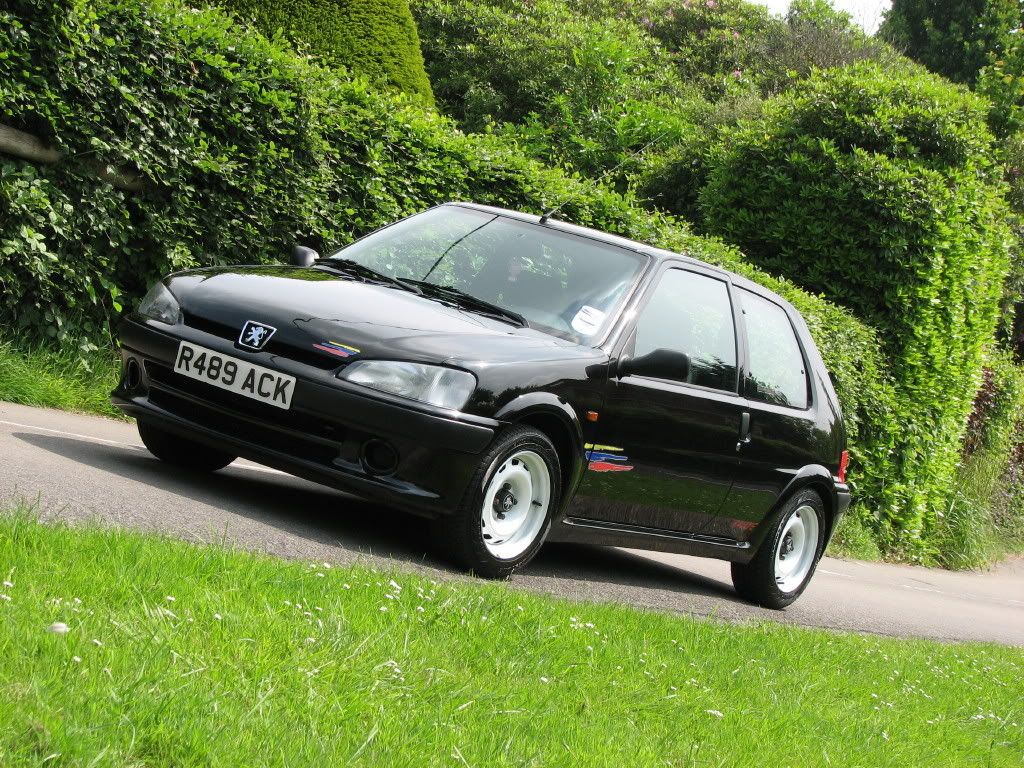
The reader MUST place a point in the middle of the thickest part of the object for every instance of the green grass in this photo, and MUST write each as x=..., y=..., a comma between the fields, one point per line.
x=853, y=538
x=182, y=655
x=984, y=519
x=72, y=380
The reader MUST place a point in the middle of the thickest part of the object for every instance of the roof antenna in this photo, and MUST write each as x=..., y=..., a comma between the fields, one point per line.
x=544, y=218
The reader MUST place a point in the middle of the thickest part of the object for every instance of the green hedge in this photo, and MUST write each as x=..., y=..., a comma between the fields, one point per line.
x=569, y=88
x=374, y=38
x=248, y=148
x=983, y=520
x=880, y=192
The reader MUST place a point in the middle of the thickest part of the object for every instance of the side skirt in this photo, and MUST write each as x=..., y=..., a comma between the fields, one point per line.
x=607, y=533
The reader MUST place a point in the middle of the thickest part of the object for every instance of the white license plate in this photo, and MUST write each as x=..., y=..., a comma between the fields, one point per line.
x=235, y=375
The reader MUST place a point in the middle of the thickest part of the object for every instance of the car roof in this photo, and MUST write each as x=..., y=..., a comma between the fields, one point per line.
x=656, y=253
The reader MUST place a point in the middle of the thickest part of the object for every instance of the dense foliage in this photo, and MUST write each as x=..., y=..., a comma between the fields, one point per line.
x=583, y=91
x=881, y=193
x=954, y=38
x=1002, y=82
x=588, y=83
x=375, y=38
x=983, y=519
x=246, y=148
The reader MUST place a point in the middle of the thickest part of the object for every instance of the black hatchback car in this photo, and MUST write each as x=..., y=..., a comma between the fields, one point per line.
x=515, y=379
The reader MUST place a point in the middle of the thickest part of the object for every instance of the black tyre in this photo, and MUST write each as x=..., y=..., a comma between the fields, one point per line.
x=506, y=511
x=785, y=563
x=180, y=451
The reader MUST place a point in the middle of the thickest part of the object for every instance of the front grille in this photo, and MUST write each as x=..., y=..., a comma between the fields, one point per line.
x=290, y=419
x=242, y=429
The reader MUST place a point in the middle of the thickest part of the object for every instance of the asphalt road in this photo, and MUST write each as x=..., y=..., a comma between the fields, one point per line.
x=83, y=467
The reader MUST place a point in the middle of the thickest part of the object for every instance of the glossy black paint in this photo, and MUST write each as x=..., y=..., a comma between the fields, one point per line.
x=708, y=467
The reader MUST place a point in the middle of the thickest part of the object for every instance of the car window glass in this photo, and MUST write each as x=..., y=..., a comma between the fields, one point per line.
x=563, y=284
x=777, y=374
x=692, y=314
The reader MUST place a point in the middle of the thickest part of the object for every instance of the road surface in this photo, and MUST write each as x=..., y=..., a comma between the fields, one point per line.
x=84, y=467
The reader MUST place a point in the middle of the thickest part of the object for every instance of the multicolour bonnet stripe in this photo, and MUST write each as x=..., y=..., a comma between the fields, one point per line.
x=337, y=348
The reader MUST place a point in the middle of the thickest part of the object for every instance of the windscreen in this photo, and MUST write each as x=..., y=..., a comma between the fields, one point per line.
x=561, y=284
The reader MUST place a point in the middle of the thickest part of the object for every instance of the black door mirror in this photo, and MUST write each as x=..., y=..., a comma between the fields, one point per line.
x=303, y=256
x=658, y=364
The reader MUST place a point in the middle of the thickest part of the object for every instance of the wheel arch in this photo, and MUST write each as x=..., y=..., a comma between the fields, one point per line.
x=559, y=422
x=811, y=477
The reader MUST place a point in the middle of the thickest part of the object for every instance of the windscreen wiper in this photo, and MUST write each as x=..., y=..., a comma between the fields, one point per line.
x=471, y=302
x=348, y=267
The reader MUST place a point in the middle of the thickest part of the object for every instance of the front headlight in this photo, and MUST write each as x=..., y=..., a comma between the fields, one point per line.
x=160, y=304
x=433, y=384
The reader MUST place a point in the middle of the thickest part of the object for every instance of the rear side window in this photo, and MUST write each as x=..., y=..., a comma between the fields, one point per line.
x=777, y=374
x=692, y=314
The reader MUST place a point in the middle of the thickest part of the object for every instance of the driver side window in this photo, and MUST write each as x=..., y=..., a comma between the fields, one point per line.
x=691, y=313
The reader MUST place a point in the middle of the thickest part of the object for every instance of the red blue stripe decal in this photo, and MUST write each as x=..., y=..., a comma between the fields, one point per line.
x=606, y=458
x=337, y=348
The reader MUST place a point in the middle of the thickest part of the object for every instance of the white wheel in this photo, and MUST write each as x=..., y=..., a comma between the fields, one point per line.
x=784, y=563
x=515, y=505
x=796, y=549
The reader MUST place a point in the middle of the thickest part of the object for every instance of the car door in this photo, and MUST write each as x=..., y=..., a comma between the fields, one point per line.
x=784, y=435
x=665, y=456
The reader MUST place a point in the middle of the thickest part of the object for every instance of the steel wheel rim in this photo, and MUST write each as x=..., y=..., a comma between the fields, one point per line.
x=515, y=504
x=797, y=548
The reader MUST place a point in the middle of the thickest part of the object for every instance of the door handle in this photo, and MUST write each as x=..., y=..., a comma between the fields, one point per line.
x=744, y=430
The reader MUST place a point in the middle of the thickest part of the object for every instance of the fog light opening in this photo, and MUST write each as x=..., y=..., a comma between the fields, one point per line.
x=379, y=457
x=132, y=374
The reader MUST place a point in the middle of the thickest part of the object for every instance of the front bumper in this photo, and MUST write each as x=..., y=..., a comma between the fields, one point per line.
x=323, y=437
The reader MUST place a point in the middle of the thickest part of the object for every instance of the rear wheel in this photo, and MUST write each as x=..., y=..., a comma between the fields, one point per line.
x=785, y=563
x=180, y=451
x=506, y=511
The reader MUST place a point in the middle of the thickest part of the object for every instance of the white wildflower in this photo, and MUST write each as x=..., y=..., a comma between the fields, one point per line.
x=76, y=659
x=58, y=628
x=97, y=643
x=714, y=712
x=217, y=616
x=170, y=598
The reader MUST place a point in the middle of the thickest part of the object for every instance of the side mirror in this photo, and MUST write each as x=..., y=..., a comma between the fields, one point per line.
x=658, y=364
x=303, y=256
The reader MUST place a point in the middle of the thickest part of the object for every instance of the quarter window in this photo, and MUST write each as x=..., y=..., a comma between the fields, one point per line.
x=692, y=314
x=777, y=374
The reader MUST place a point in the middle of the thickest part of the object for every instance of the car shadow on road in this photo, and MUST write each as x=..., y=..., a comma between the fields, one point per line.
x=358, y=528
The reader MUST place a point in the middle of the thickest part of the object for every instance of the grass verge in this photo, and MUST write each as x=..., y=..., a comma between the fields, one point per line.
x=71, y=380
x=984, y=519
x=182, y=655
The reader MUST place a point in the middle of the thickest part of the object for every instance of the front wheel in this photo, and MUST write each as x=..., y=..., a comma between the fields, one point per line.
x=506, y=511
x=783, y=566
x=180, y=451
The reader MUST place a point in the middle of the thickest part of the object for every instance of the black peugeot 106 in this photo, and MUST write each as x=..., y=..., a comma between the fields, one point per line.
x=517, y=380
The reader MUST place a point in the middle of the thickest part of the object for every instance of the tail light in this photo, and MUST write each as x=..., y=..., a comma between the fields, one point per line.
x=844, y=462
